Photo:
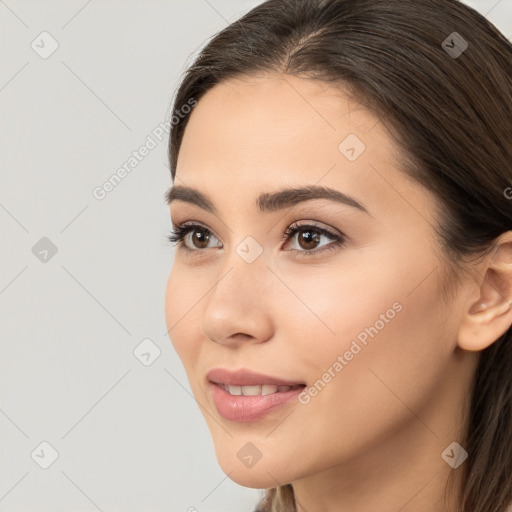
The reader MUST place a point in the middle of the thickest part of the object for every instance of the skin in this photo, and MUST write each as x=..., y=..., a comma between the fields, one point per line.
x=372, y=438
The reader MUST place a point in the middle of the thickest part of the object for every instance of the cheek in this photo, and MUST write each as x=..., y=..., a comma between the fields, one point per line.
x=330, y=308
x=386, y=357
x=182, y=300
x=386, y=304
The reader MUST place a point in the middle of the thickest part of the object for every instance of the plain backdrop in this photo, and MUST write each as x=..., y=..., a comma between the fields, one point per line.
x=96, y=412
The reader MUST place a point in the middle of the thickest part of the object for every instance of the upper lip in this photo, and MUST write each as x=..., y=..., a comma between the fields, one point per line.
x=245, y=377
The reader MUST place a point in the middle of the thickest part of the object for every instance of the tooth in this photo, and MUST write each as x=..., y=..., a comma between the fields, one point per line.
x=268, y=389
x=264, y=389
x=235, y=390
x=251, y=390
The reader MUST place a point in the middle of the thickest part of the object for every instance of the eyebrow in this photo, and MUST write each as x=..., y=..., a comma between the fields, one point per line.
x=266, y=202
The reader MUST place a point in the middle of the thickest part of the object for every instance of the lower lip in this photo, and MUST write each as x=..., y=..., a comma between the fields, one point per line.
x=249, y=408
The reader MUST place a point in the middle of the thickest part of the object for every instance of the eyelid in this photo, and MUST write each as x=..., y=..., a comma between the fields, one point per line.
x=320, y=226
x=182, y=230
x=296, y=224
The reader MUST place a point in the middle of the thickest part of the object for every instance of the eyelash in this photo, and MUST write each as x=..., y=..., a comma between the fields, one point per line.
x=180, y=231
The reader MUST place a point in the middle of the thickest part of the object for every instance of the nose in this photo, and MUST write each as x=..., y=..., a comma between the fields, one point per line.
x=238, y=307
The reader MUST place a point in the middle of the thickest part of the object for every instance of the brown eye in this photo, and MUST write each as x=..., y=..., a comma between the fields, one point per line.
x=308, y=239
x=310, y=236
x=200, y=239
x=199, y=235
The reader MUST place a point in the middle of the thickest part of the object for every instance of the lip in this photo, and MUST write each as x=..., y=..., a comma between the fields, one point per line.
x=249, y=408
x=245, y=377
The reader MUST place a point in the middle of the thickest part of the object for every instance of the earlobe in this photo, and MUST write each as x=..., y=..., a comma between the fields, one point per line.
x=490, y=316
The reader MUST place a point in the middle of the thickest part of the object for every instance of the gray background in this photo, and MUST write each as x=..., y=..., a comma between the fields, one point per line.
x=128, y=433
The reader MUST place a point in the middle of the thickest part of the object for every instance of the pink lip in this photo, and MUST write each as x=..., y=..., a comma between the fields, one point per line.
x=249, y=408
x=244, y=377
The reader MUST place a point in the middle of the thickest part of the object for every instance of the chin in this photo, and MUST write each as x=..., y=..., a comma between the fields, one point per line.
x=259, y=473
x=254, y=478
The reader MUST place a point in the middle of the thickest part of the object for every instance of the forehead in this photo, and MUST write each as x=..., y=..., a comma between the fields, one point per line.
x=278, y=118
x=263, y=133
x=282, y=103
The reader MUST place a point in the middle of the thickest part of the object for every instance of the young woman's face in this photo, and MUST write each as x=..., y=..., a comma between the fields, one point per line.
x=353, y=312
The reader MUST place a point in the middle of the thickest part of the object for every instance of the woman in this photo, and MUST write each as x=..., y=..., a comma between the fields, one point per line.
x=341, y=294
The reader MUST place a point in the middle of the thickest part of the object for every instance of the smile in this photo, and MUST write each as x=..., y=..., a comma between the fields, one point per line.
x=264, y=389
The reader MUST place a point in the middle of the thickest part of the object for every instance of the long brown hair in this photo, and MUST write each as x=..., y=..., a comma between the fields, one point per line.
x=447, y=100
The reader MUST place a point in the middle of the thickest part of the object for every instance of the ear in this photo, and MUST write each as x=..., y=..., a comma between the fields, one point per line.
x=490, y=315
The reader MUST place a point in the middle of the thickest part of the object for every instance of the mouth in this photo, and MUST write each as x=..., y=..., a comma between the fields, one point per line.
x=247, y=408
x=245, y=396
